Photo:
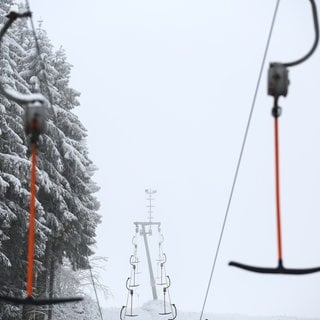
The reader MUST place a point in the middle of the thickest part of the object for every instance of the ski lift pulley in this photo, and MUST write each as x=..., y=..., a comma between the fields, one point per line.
x=35, y=119
x=278, y=80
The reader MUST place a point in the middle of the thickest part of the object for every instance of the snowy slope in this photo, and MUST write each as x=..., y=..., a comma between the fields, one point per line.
x=150, y=310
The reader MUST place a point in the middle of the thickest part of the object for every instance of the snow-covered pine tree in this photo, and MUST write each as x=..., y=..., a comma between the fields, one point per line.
x=65, y=158
x=14, y=179
x=66, y=208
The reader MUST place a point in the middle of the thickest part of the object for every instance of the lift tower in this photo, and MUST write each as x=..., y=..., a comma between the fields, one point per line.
x=141, y=226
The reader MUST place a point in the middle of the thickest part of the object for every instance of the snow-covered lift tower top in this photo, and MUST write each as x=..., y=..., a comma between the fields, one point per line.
x=141, y=226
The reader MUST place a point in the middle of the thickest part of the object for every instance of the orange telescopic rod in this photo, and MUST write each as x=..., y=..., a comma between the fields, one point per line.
x=32, y=220
x=277, y=181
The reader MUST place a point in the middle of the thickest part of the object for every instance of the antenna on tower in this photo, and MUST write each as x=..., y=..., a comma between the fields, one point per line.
x=150, y=205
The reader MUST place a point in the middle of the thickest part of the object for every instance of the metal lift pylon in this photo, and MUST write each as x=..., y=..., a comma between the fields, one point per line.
x=145, y=228
x=141, y=226
x=144, y=233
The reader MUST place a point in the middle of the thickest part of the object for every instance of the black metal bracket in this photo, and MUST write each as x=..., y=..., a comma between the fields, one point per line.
x=39, y=302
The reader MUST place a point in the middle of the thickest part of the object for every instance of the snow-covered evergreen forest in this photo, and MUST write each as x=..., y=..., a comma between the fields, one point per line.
x=66, y=208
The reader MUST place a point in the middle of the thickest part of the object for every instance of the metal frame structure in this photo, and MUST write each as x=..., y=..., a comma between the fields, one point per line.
x=142, y=227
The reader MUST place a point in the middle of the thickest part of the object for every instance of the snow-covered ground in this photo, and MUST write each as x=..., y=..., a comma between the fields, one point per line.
x=150, y=311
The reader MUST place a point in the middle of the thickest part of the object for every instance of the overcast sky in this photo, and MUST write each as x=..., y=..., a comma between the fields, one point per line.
x=166, y=88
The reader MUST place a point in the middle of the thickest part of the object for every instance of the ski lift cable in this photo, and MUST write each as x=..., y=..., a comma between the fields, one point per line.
x=316, y=40
x=169, y=298
x=241, y=154
x=95, y=289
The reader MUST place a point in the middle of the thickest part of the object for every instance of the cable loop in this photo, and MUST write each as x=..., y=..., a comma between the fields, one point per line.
x=316, y=40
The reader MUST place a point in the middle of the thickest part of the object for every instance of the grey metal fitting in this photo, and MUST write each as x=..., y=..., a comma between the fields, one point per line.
x=35, y=118
x=278, y=80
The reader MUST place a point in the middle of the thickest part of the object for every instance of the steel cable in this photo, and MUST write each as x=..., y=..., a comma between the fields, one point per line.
x=240, y=155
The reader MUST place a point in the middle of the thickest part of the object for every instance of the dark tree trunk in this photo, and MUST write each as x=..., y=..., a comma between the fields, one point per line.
x=27, y=312
x=51, y=284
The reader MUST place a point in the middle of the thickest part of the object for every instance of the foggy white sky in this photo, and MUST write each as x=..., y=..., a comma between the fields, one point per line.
x=166, y=90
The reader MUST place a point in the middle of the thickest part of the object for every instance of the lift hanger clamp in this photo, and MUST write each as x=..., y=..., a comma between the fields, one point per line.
x=278, y=74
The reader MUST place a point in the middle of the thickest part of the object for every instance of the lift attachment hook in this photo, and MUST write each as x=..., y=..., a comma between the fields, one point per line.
x=131, y=292
x=165, y=288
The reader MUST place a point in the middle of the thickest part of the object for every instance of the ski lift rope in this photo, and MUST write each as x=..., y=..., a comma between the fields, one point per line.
x=94, y=288
x=240, y=155
x=315, y=44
